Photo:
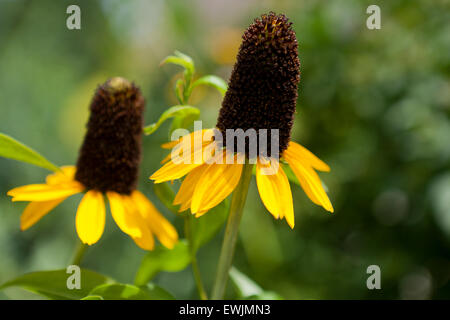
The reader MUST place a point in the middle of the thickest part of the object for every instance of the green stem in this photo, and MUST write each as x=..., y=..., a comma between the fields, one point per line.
x=79, y=254
x=195, y=269
x=231, y=232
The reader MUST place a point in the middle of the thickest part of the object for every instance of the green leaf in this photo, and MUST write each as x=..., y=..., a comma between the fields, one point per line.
x=92, y=298
x=179, y=111
x=244, y=285
x=53, y=284
x=179, y=91
x=213, y=81
x=163, y=259
x=266, y=295
x=118, y=291
x=165, y=193
x=206, y=227
x=182, y=60
x=13, y=149
x=184, y=121
x=248, y=289
x=158, y=293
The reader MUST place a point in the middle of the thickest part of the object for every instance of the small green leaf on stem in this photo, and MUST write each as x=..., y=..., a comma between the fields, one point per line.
x=213, y=81
x=182, y=60
x=178, y=111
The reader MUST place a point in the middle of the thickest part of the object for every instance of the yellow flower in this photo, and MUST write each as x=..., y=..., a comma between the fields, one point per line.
x=262, y=94
x=134, y=214
x=107, y=165
x=208, y=184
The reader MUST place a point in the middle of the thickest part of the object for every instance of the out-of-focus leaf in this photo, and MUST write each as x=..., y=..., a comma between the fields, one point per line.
x=163, y=259
x=245, y=286
x=13, y=149
x=179, y=111
x=248, y=289
x=93, y=298
x=158, y=293
x=179, y=91
x=206, y=227
x=266, y=295
x=213, y=81
x=184, y=121
x=53, y=284
x=166, y=195
x=118, y=291
x=181, y=59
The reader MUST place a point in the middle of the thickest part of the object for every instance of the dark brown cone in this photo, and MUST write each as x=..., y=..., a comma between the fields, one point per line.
x=110, y=155
x=262, y=89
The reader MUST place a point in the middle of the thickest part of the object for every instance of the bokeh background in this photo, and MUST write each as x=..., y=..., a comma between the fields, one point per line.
x=374, y=104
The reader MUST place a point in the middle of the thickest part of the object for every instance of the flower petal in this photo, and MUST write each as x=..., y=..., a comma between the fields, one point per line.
x=310, y=182
x=145, y=240
x=126, y=222
x=214, y=185
x=45, y=192
x=172, y=170
x=162, y=228
x=67, y=174
x=275, y=193
x=184, y=194
x=90, y=219
x=302, y=154
x=35, y=211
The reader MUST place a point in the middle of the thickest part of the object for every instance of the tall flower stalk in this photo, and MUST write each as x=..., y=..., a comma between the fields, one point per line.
x=231, y=232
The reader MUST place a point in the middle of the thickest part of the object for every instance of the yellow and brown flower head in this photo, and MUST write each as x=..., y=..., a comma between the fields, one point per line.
x=262, y=91
x=111, y=152
x=108, y=164
x=262, y=94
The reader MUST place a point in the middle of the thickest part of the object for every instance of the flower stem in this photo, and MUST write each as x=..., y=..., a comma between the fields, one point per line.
x=231, y=232
x=195, y=269
x=79, y=254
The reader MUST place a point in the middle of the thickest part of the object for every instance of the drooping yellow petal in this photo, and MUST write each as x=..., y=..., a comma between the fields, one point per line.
x=146, y=240
x=214, y=185
x=307, y=189
x=166, y=158
x=67, y=174
x=162, y=228
x=184, y=194
x=170, y=144
x=35, y=211
x=45, y=192
x=126, y=222
x=300, y=153
x=310, y=182
x=172, y=171
x=192, y=140
x=185, y=164
x=90, y=219
x=275, y=192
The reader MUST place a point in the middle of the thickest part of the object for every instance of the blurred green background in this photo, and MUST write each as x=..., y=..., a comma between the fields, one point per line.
x=374, y=104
